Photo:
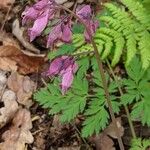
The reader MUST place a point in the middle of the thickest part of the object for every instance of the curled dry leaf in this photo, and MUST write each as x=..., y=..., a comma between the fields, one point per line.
x=10, y=107
x=19, y=133
x=23, y=86
x=12, y=59
x=18, y=33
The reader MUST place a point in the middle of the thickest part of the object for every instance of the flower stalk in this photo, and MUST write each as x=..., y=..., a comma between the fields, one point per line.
x=101, y=71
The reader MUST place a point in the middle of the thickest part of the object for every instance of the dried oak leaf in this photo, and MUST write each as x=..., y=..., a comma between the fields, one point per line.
x=10, y=107
x=13, y=59
x=19, y=133
x=23, y=86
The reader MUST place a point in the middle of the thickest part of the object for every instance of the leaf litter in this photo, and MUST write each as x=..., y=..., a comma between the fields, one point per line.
x=23, y=86
x=15, y=93
x=13, y=59
x=19, y=133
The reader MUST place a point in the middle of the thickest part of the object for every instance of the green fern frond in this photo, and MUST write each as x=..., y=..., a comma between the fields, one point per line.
x=78, y=40
x=144, y=47
x=131, y=48
x=138, y=11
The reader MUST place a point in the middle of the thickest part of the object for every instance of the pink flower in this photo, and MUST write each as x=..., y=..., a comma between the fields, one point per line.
x=61, y=31
x=40, y=13
x=85, y=14
x=65, y=67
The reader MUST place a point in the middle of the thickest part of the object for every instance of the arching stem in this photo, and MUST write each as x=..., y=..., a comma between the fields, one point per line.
x=102, y=74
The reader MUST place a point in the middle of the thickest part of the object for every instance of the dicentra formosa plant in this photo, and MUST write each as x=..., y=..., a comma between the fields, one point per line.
x=81, y=92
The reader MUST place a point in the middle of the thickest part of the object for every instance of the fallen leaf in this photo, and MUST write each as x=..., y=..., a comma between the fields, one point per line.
x=102, y=142
x=4, y=4
x=23, y=86
x=19, y=133
x=10, y=107
x=110, y=130
x=12, y=59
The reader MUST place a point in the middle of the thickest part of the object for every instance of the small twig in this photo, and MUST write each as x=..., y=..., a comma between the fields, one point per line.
x=2, y=27
x=102, y=74
x=2, y=92
x=125, y=107
x=79, y=133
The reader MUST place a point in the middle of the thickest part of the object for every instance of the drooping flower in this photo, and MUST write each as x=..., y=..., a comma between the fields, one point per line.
x=61, y=31
x=40, y=13
x=65, y=67
x=85, y=14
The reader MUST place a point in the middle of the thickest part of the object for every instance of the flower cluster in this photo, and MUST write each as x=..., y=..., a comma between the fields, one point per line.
x=40, y=14
x=65, y=67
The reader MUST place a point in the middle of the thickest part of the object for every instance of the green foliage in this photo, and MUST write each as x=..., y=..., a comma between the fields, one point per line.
x=68, y=105
x=139, y=144
x=78, y=28
x=85, y=97
x=97, y=112
x=137, y=91
x=65, y=49
x=124, y=31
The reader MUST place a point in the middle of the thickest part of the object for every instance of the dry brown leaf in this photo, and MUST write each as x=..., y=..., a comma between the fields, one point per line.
x=110, y=130
x=10, y=107
x=19, y=133
x=4, y=4
x=12, y=59
x=103, y=142
x=18, y=33
x=23, y=86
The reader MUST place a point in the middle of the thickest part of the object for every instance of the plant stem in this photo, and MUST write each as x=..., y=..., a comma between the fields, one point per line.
x=125, y=106
x=102, y=74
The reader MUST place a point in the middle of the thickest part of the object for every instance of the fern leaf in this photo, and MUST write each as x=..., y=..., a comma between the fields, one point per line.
x=144, y=46
x=138, y=11
x=131, y=48
x=78, y=40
